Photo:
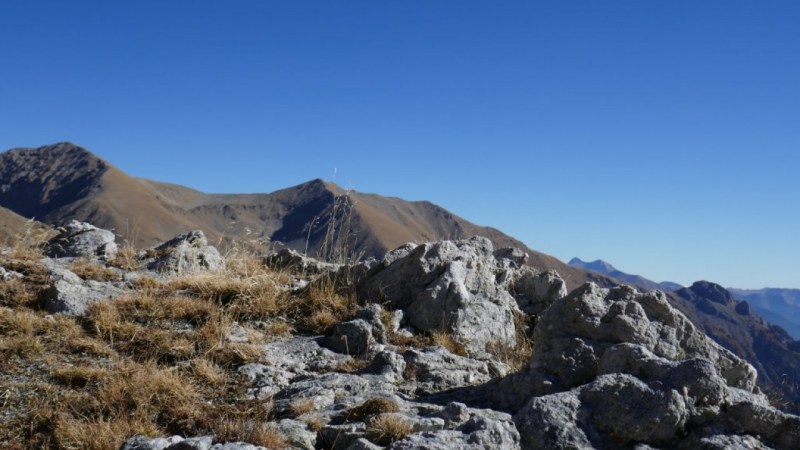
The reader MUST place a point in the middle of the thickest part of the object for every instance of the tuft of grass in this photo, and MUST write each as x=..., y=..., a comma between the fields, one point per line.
x=384, y=429
x=98, y=434
x=235, y=354
x=352, y=365
x=515, y=356
x=372, y=407
x=251, y=431
x=80, y=376
x=448, y=341
x=89, y=270
x=29, y=244
x=126, y=259
x=16, y=292
x=208, y=372
x=302, y=406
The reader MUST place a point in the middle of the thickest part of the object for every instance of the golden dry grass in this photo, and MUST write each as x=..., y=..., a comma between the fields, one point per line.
x=385, y=429
x=450, y=342
x=89, y=270
x=302, y=406
x=154, y=362
x=126, y=259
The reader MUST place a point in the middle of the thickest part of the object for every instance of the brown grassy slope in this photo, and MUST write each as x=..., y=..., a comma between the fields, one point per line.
x=11, y=225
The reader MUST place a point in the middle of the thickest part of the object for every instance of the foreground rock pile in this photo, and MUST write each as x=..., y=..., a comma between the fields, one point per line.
x=608, y=368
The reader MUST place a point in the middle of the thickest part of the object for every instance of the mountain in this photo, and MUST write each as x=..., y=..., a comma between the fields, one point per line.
x=60, y=182
x=605, y=268
x=779, y=306
x=735, y=326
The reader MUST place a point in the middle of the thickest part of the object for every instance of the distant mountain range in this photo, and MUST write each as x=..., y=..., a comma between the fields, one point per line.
x=779, y=306
x=605, y=268
x=59, y=182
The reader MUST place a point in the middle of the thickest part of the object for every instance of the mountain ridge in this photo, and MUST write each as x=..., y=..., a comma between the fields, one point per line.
x=607, y=269
x=312, y=217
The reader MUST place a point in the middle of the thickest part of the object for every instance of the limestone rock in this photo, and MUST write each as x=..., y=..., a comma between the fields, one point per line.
x=476, y=433
x=292, y=260
x=183, y=254
x=351, y=338
x=69, y=294
x=80, y=239
x=536, y=291
x=435, y=369
x=447, y=286
x=574, y=333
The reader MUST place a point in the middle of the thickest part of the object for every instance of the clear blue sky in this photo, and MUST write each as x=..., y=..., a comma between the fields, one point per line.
x=662, y=136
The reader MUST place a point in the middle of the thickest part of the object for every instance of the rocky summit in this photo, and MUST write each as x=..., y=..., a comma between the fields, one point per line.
x=448, y=344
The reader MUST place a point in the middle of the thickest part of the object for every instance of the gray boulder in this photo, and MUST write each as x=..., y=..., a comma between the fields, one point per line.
x=80, y=239
x=476, y=433
x=574, y=333
x=435, y=369
x=184, y=254
x=447, y=286
x=536, y=291
x=351, y=338
x=619, y=406
x=69, y=294
x=390, y=365
x=617, y=368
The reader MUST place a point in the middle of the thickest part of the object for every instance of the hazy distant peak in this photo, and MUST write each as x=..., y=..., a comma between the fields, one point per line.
x=597, y=265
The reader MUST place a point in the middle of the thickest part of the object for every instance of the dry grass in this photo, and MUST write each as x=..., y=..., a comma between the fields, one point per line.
x=448, y=341
x=372, y=407
x=251, y=431
x=126, y=259
x=385, y=429
x=155, y=362
x=207, y=372
x=302, y=406
x=89, y=270
x=30, y=243
x=80, y=376
x=352, y=365
x=515, y=356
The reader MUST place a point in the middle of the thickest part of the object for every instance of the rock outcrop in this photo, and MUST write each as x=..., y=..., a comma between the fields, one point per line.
x=69, y=294
x=618, y=368
x=79, y=239
x=460, y=287
x=183, y=254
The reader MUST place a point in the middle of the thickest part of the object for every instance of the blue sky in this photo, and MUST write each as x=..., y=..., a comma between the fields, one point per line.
x=662, y=136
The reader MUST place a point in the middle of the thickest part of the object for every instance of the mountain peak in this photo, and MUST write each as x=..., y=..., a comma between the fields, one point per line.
x=39, y=180
x=712, y=291
x=597, y=265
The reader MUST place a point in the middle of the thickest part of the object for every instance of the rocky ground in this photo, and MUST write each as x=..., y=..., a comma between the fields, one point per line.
x=451, y=344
